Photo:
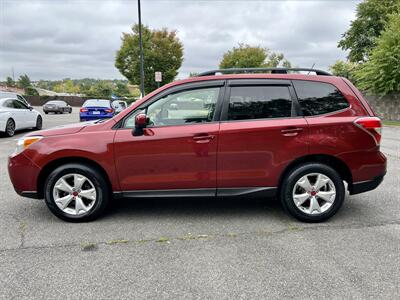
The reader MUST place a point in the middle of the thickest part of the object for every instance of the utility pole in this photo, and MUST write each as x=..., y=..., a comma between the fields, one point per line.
x=12, y=70
x=141, y=52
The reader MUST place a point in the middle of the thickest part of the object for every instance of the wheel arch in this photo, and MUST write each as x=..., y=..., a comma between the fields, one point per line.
x=52, y=165
x=335, y=163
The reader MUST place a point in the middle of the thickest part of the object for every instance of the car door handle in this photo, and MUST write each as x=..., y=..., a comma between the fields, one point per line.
x=291, y=131
x=203, y=138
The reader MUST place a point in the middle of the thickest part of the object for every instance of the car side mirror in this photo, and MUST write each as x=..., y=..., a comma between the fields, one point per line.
x=30, y=108
x=141, y=121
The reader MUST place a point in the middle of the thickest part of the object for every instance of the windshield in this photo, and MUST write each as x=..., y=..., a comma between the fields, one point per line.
x=96, y=102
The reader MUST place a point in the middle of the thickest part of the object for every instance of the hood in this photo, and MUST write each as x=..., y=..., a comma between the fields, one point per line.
x=63, y=129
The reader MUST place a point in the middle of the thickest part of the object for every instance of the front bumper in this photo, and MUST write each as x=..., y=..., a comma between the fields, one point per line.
x=23, y=174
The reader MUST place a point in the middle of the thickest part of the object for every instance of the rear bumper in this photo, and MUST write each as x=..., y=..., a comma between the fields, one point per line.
x=52, y=109
x=83, y=118
x=365, y=186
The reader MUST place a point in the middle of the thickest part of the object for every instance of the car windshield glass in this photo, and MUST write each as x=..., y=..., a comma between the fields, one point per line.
x=101, y=103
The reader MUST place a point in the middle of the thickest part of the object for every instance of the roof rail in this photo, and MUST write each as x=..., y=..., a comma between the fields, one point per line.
x=258, y=70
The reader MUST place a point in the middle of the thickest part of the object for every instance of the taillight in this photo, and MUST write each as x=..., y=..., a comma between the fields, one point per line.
x=83, y=110
x=372, y=125
x=109, y=110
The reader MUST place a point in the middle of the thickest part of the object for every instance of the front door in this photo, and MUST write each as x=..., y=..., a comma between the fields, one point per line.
x=177, y=150
x=260, y=134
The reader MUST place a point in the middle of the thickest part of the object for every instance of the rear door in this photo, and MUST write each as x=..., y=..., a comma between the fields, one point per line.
x=28, y=116
x=19, y=114
x=261, y=132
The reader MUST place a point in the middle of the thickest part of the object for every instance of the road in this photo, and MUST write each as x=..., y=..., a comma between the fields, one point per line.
x=196, y=249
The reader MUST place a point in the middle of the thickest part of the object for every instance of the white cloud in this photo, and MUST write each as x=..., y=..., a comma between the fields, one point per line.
x=53, y=39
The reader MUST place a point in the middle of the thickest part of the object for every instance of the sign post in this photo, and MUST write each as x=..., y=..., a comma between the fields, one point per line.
x=158, y=78
x=141, y=51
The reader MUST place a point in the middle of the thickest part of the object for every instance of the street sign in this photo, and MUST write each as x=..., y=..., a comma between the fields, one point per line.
x=158, y=76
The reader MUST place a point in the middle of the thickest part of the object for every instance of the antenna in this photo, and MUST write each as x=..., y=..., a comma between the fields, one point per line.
x=312, y=67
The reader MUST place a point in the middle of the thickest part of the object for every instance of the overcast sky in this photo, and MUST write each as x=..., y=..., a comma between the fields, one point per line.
x=55, y=39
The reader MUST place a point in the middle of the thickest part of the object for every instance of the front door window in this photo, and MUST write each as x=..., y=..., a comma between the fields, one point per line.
x=182, y=108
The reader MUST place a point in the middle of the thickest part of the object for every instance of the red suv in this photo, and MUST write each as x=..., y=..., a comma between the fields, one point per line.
x=303, y=138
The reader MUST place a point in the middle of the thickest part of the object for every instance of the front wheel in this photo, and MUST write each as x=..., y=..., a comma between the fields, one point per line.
x=312, y=192
x=76, y=193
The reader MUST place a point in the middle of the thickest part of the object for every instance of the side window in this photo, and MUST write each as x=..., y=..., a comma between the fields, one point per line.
x=317, y=98
x=19, y=105
x=186, y=107
x=259, y=102
x=8, y=103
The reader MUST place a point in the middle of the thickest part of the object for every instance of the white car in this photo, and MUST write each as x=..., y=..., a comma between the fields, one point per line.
x=119, y=105
x=16, y=115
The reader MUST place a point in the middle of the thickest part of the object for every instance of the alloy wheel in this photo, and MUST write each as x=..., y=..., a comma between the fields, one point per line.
x=10, y=127
x=314, y=193
x=74, y=194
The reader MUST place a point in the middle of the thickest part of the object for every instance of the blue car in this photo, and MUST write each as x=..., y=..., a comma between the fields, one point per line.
x=95, y=109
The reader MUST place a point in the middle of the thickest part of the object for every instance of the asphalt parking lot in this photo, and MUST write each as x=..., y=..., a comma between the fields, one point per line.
x=192, y=249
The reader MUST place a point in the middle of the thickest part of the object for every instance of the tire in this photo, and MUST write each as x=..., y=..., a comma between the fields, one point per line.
x=46, y=112
x=314, y=208
x=39, y=123
x=72, y=213
x=10, y=128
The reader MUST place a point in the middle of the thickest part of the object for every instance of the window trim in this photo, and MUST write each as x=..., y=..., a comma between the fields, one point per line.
x=221, y=84
x=295, y=110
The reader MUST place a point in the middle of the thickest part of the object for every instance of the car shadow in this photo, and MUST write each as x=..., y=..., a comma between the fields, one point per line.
x=17, y=134
x=193, y=206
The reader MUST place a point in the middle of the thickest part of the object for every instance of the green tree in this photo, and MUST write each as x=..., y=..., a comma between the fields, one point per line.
x=246, y=56
x=343, y=69
x=24, y=81
x=370, y=21
x=193, y=74
x=121, y=89
x=100, y=90
x=10, y=82
x=381, y=73
x=162, y=51
x=30, y=91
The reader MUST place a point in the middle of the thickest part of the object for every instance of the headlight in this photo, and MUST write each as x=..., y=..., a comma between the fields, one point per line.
x=25, y=142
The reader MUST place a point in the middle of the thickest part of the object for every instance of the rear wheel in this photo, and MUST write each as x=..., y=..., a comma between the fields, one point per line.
x=76, y=193
x=39, y=123
x=10, y=127
x=312, y=192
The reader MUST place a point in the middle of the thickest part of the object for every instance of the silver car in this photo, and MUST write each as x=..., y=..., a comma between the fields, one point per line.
x=57, y=106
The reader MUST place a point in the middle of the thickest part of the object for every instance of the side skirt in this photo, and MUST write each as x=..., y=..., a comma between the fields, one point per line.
x=224, y=192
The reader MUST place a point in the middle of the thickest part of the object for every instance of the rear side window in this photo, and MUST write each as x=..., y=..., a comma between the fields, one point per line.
x=317, y=98
x=259, y=102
